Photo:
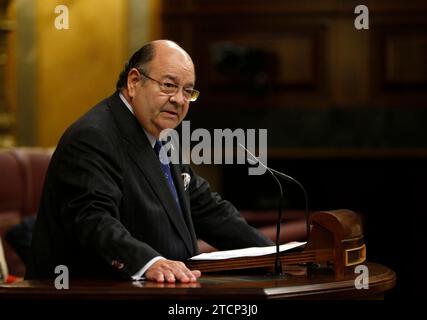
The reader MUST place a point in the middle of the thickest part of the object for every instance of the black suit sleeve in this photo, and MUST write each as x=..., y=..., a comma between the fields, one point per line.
x=91, y=184
x=217, y=221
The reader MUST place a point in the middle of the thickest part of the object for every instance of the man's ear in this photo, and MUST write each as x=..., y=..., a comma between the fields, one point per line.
x=133, y=78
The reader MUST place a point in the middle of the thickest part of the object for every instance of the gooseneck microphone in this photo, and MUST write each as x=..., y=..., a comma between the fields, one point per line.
x=290, y=179
x=277, y=262
x=275, y=174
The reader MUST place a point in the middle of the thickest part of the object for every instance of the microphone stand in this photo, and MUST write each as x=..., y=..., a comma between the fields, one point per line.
x=278, y=271
x=307, y=214
x=277, y=264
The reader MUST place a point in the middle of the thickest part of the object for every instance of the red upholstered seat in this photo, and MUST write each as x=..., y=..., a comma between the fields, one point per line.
x=22, y=172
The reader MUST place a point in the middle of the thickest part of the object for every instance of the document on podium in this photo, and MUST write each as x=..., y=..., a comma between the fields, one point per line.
x=247, y=252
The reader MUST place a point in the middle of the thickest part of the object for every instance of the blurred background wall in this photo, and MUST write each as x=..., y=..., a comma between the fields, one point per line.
x=53, y=76
x=345, y=109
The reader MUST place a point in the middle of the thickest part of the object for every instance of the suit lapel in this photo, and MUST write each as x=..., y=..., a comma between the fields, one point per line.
x=143, y=155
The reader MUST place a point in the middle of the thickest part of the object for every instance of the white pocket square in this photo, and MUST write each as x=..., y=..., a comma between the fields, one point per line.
x=186, y=178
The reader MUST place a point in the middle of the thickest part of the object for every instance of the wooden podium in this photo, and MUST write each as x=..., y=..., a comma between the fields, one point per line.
x=322, y=284
x=336, y=240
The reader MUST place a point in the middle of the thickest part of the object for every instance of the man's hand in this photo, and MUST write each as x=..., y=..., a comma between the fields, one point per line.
x=171, y=271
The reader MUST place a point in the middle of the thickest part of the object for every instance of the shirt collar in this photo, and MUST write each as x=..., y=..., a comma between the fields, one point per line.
x=149, y=136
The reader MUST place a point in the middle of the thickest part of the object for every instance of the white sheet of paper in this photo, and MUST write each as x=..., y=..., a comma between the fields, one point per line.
x=246, y=252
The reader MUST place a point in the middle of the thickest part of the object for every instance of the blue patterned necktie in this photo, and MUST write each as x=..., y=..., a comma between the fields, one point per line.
x=161, y=154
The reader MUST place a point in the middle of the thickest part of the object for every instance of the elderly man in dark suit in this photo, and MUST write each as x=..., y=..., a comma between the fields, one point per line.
x=110, y=207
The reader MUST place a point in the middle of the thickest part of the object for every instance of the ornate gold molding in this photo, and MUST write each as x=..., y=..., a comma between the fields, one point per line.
x=6, y=117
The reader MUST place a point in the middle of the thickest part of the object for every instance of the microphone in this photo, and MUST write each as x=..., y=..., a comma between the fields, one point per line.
x=275, y=173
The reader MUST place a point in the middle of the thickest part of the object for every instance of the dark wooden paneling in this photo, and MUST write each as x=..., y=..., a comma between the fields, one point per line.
x=405, y=60
x=310, y=54
x=262, y=60
x=401, y=55
x=398, y=68
x=279, y=7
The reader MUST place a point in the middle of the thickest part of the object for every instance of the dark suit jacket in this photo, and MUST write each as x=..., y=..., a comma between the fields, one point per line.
x=106, y=208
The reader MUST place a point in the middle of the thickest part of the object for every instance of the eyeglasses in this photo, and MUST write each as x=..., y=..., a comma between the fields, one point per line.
x=169, y=88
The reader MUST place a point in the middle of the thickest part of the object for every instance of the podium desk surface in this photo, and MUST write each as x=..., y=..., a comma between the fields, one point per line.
x=321, y=284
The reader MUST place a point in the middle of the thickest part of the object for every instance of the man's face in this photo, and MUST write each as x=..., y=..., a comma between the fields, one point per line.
x=155, y=110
